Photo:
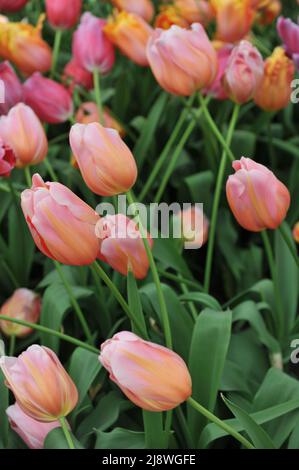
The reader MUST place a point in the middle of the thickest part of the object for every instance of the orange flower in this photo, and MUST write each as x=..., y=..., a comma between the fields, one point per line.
x=22, y=44
x=168, y=16
x=89, y=112
x=296, y=232
x=195, y=11
x=275, y=90
x=234, y=18
x=267, y=10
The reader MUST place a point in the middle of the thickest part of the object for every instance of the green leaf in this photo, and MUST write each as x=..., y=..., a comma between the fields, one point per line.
x=57, y=440
x=135, y=303
x=234, y=379
x=120, y=438
x=199, y=187
x=243, y=143
x=3, y=406
x=203, y=299
x=166, y=251
x=294, y=438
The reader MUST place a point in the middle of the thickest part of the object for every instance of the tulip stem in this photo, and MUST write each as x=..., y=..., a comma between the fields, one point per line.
x=161, y=299
x=216, y=201
x=28, y=176
x=100, y=271
x=73, y=301
x=213, y=126
x=289, y=243
x=49, y=331
x=66, y=432
x=12, y=343
x=180, y=280
x=56, y=49
x=98, y=94
x=221, y=424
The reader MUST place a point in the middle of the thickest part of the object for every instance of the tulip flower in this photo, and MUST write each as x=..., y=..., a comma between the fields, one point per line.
x=130, y=33
x=91, y=48
x=106, y=163
x=168, y=16
x=32, y=432
x=289, y=34
x=256, y=197
x=151, y=376
x=77, y=75
x=195, y=11
x=274, y=92
x=51, y=101
x=63, y=14
x=12, y=5
x=183, y=61
x=22, y=131
x=61, y=224
x=22, y=305
x=193, y=226
x=296, y=232
x=22, y=44
x=88, y=112
x=244, y=72
x=7, y=160
x=268, y=10
x=234, y=18
x=143, y=8
x=121, y=245
x=41, y=386
x=217, y=89
x=13, y=89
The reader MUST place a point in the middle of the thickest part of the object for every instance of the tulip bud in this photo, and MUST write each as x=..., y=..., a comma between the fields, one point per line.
x=183, y=61
x=234, y=18
x=195, y=11
x=77, y=75
x=121, y=245
x=51, y=101
x=194, y=227
x=289, y=34
x=12, y=5
x=22, y=305
x=130, y=33
x=168, y=16
x=41, y=386
x=106, y=163
x=13, y=89
x=63, y=14
x=22, y=44
x=32, y=432
x=258, y=200
x=7, y=160
x=151, y=376
x=143, y=8
x=217, y=89
x=91, y=48
x=268, y=10
x=22, y=131
x=61, y=224
x=274, y=92
x=296, y=232
x=89, y=112
x=244, y=72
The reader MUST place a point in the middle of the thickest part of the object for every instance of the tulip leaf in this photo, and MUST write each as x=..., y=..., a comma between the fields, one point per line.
x=57, y=440
x=120, y=438
x=201, y=298
x=3, y=406
x=135, y=303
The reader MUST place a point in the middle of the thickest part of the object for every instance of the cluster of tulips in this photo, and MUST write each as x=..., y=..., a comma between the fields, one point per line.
x=185, y=62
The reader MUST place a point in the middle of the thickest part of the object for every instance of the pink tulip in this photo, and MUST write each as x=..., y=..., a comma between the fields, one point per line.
x=183, y=61
x=77, y=75
x=217, y=89
x=121, y=245
x=151, y=376
x=63, y=14
x=194, y=227
x=143, y=8
x=41, y=386
x=32, y=432
x=13, y=89
x=12, y=5
x=91, y=48
x=51, y=101
x=244, y=72
x=23, y=132
x=24, y=304
x=106, y=163
x=61, y=224
x=7, y=160
x=289, y=34
x=256, y=197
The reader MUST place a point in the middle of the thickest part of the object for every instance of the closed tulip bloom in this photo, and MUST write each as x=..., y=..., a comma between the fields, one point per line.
x=50, y=100
x=12, y=5
x=244, y=72
x=168, y=16
x=91, y=48
x=183, y=61
x=217, y=88
x=24, y=304
x=75, y=74
x=130, y=33
x=193, y=226
x=268, y=11
x=143, y=8
x=89, y=112
x=23, y=132
x=151, y=376
x=7, y=160
x=63, y=14
x=13, y=89
x=296, y=232
x=22, y=44
x=195, y=11
x=41, y=386
x=32, y=432
x=61, y=224
x=234, y=19
x=289, y=34
x=258, y=200
x=274, y=92
x=106, y=163
x=121, y=245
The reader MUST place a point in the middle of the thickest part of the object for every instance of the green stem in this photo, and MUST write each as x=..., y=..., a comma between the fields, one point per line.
x=289, y=243
x=56, y=49
x=101, y=297
x=214, y=128
x=28, y=176
x=66, y=432
x=184, y=427
x=98, y=95
x=50, y=170
x=12, y=344
x=216, y=201
x=221, y=424
x=114, y=290
x=49, y=331
x=180, y=280
x=74, y=302
x=162, y=303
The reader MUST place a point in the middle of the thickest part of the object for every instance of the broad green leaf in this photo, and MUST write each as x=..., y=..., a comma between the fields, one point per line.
x=199, y=187
x=166, y=252
x=120, y=438
x=244, y=142
x=203, y=299
x=3, y=406
x=234, y=379
x=57, y=440
x=294, y=438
